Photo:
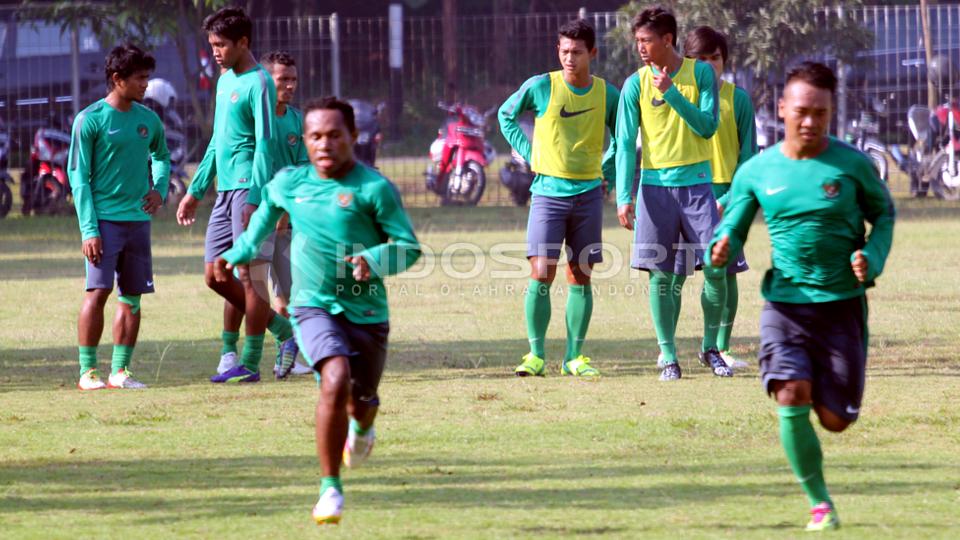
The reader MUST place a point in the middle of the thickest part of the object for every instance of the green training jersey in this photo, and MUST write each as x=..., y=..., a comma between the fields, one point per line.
x=240, y=149
x=534, y=95
x=290, y=150
x=358, y=214
x=815, y=211
x=701, y=118
x=109, y=164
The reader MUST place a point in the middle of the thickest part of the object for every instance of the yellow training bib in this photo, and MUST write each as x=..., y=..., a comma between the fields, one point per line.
x=667, y=140
x=568, y=137
x=726, y=141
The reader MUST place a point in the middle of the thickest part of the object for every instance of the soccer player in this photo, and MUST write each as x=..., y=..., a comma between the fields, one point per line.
x=111, y=144
x=734, y=143
x=239, y=155
x=290, y=151
x=816, y=192
x=349, y=231
x=674, y=102
x=572, y=108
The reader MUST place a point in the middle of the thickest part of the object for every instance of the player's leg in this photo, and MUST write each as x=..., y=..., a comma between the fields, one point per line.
x=134, y=279
x=584, y=250
x=219, y=238
x=366, y=368
x=99, y=284
x=282, y=281
x=230, y=336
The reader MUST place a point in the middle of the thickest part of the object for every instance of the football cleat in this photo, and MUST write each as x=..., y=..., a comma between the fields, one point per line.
x=238, y=374
x=671, y=372
x=732, y=361
x=823, y=517
x=124, y=379
x=711, y=358
x=286, y=356
x=329, y=508
x=531, y=365
x=579, y=366
x=90, y=381
x=228, y=361
x=358, y=447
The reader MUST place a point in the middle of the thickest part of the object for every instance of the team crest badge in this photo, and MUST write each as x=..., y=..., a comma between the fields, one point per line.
x=292, y=139
x=143, y=131
x=344, y=199
x=831, y=188
x=234, y=97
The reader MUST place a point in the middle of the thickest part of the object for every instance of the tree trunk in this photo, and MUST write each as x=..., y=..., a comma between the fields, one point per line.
x=932, y=97
x=450, y=51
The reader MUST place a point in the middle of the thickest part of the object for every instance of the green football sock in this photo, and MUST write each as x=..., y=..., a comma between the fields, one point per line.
x=676, y=291
x=121, y=357
x=729, y=313
x=713, y=299
x=579, y=310
x=230, y=340
x=252, y=352
x=330, y=482
x=537, y=309
x=88, y=358
x=802, y=446
x=280, y=327
x=663, y=307
x=357, y=428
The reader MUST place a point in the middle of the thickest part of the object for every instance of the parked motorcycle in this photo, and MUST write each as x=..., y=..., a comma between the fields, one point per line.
x=44, y=187
x=932, y=161
x=161, y=98
x=516, y=174
x=367, y=119
x=458, y=156
x=6, y=194
x=863, y=132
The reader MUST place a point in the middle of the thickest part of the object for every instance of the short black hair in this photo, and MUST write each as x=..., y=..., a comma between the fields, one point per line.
x=579, y=29
x=125, y=60
x=658, y=19
x=231, y=23
x=813, y=73
x=278, y=57
x=331, y=103
x=703, y=41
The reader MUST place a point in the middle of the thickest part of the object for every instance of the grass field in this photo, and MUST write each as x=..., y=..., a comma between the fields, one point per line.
x=465, y=450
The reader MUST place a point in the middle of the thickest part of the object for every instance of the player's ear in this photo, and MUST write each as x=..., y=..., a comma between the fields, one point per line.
x=244, y=42
x=780, y=108
x=593, y=53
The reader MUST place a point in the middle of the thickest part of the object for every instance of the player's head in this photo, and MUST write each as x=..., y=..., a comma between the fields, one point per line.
x=655, y=31
x=807, y=104
x=576, y=46
x=229, y=32
x=283, y=69
x=707, y=45
x=127, y=68
x=329, y=131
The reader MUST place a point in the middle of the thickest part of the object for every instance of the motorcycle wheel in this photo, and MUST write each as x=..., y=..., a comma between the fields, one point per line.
x=474, y=177
x=6, y=196
x=943, y=188
x=26, y=193
x=48, y=196
x=880, y=161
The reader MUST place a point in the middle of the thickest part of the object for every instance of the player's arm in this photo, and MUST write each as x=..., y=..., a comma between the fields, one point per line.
x=402, y=249
x=609, y=163
x=524, y=99
x=160, y=160
x=878, y=209
x=702, y=119
x=732, y=231
x=262, y=223
x=79, y=171
x=743, y=113
x=628, y=120
x=206, y=170
x=264, y=104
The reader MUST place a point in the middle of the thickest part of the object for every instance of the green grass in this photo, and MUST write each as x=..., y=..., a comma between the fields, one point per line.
x=465, y=449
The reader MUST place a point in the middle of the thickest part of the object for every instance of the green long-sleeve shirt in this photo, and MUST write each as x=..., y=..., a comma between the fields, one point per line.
x=108, y=164
x=358, y=214
x=240, y=149
x=702, y=119
x=534, y=95
x=290, y=150
x=815, y=210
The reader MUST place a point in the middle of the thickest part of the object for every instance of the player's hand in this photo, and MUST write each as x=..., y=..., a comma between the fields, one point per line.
x=152, y=202
x=283, y=222
x=720, y=209
x=187, y=211
x=720, y=253
x=92, y=249
x=361, y=271
x=662, y=80
x=627, y=215
x=248, y=210
x=222, y=270
x=859, y=266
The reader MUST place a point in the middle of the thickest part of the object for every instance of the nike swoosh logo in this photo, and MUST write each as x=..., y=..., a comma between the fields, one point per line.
x=594, y=251
x=741, y=264
x=852, y=410
x=567, y=114
x=657, y=102
x=775, y=191
x=113, y=131
x=149, y=284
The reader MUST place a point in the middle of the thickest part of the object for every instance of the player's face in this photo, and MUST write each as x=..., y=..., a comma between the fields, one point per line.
x=653, y=48
x=133, y=87
x=806, y=111
x=715, y=60
x=285, y=79
x=574, y=55
x=329, y=142
x=227, y=52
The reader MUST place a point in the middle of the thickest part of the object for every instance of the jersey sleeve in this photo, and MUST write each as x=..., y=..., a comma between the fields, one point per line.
x=160, y=159
x=402, y=249
x=877, y=206
x=609, y=163
x=79, y=171
x=530, y=97
x=737, y=218
x=628, y=121
x=703, y=120
x=206, y=170
x=263, y=99
x=262, y=223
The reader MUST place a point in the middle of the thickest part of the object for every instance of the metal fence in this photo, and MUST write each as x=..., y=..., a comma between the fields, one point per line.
x=491, y=57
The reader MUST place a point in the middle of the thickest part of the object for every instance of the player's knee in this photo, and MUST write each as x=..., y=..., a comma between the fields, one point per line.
x=792, y=393
x=98, y=296
x=131, y=300
x=830, y=421
x=577, y=275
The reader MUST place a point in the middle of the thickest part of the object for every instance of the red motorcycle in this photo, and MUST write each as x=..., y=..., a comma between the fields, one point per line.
x=45, y=189
x=458, y=157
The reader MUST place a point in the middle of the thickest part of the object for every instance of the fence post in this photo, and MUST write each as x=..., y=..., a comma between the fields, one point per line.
x=395, y=103
x=335, y=54
x=841, y=87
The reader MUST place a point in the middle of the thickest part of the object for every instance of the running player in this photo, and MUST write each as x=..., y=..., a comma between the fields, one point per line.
x=349, y=231
x=816, y=193
x=674, y=102
x=734, y=143
x=111, y=143
x=239, y=154
x=572, y=108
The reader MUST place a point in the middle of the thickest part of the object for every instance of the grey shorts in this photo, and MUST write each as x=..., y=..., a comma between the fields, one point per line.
x=280, y=275
x=576, y=221
x=824, y=343
x=226, y=226
x=673, y=227
x=126, y=256
x=322, y=336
